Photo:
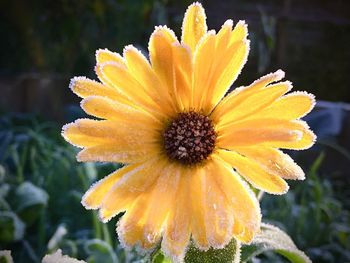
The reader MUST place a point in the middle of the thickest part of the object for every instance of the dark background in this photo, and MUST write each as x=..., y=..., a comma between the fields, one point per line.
x=45, y=43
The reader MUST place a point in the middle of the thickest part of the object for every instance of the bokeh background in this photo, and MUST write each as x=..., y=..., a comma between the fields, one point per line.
x=45, y=43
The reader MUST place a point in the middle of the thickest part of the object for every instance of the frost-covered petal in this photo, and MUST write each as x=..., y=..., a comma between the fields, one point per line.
x=130, y=227
x=291, y=106
x=177, y=231
x=241, y=94
x=162, y=60
x=105, y=108
x=249, y=106
x=203, y=65
x=118, y=153
x=121, y=79
x=218, y=212
x=274, y=161
x=194, y=25
x=246, y=210
x=160, y=203
x=212, y=214
x=141, y=70
x=276, y=133
x=105, y=55
x=93, y=198
x=87, y=133
x=134, y=183
x=218, y=61
x=85, y=87
x=198, y=223
x=254, y=174
x=242, y=233
x=183, y=75
x=227, y=65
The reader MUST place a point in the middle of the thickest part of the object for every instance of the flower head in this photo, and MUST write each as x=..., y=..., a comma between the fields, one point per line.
x=190, y=152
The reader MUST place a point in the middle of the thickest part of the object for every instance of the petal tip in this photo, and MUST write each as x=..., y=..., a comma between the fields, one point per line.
x=103, y=217
x=228, y=22
x=85, y=203
x=280, y=74
x=195, y=5
x=73, y=81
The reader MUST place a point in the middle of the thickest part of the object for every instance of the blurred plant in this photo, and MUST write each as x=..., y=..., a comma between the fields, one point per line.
x=314, y=218
x=40, y=207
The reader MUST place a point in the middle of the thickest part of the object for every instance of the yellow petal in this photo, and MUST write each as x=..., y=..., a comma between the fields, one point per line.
x=224, y=35
x=87, y=133
x=93, y=198
x=104, y=55
x=142, y=71
x=105, y=108
x=228, y=64
x=269, y=132
x=183, y=75
x=85, y=87
x=242, y=233
x=160, y=203
x=227, y=72
x=118, y=153
x=177, y=230
x=194, y=25
x=240, y=32
x=203, y=66
x=142, y=224
x=73, y=135
x=254, y=174
x=240, y=94
x=245, y=206
x=253, y=104
x=130, y=227
x=162, y=60
x=307, y=140
x=274, y=161
x=119, y=76
x=291, y=106
x=218, y=211
x=130, y=187
x=198, y=223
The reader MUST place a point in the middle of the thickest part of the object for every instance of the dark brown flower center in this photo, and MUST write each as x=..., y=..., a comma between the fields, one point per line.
x=189, y=138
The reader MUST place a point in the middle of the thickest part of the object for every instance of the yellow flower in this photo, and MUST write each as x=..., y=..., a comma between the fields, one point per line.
x=168, y=121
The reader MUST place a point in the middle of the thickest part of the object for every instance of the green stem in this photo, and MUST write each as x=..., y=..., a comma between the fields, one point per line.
x=97, y=225
x=106, y=235
x=95, y=221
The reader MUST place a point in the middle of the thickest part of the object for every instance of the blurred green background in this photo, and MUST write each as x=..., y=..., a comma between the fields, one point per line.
x=45, y=43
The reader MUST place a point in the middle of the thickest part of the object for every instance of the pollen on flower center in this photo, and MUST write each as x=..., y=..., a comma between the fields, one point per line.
x=189, y=138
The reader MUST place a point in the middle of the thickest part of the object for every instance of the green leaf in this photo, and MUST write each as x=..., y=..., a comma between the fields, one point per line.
x=159, y=257
x=273, y=238
x=11, y=227
x=30, y=200
x=99, y=251
x=229, y=254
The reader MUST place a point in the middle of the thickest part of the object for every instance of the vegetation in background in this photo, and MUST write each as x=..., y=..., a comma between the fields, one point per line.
x=41, y=185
